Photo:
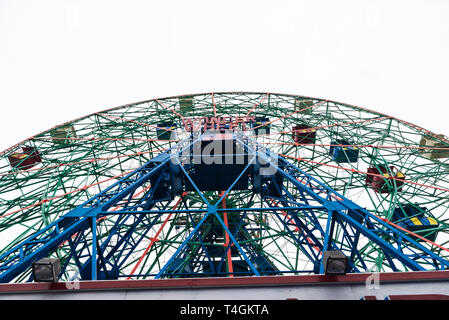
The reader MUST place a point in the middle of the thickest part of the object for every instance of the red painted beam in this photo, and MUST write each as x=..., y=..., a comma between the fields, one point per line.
x=228, y=255
x=226, y=282
x=418, y=297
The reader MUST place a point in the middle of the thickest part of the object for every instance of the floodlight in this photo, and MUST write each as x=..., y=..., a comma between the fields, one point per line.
x=334, y=262
x=46, y=270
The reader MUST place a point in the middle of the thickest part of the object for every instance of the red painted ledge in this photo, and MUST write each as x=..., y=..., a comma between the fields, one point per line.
x=227, y=282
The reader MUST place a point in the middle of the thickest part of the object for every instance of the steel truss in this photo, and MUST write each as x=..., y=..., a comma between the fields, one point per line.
x=86, y=204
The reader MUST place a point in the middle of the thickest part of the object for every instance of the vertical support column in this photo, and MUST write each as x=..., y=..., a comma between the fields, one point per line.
x=328, y=237
x=230, y=268
x=94, y=248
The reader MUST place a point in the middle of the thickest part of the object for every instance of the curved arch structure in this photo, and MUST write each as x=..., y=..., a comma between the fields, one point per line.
x=127, y=193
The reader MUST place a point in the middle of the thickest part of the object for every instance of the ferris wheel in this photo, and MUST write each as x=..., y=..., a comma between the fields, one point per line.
x=224, y=185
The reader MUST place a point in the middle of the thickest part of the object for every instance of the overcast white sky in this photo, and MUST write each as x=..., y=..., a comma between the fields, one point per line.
x=62, y=59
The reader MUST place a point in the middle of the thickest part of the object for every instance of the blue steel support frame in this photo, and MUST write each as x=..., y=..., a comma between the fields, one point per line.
x=301, y=210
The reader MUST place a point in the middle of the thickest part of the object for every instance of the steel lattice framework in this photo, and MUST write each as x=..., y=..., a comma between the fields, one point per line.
x=114, y=194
